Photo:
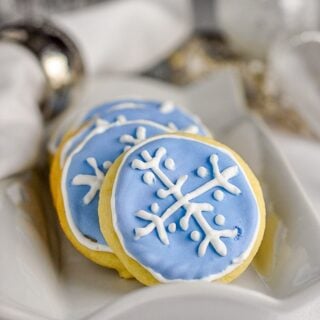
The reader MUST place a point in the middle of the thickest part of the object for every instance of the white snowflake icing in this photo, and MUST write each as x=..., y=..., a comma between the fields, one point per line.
x=102, y=123
x=192, y=209
x=92, y=181
x=190, y=129
x=131, y=140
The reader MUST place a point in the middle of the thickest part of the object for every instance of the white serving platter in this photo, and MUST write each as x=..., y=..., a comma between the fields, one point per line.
x=43, y=277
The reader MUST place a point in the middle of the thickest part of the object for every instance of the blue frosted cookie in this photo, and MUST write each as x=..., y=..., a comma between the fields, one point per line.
x=165, y=113
x=182, y=208
x=78, y=183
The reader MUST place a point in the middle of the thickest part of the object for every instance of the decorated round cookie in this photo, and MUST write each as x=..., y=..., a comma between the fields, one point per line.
x=80, y=179
x=182, y=208
x=165, y=113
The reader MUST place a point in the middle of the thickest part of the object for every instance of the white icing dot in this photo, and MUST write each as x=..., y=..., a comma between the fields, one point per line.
x=170, y=164
x=121, y=118
x=148, y=178
x=195, y=235
x=167, y=107
x=107, y=164
x=161, y=193
x=218, y=195
x=172, y=227
x=202, y=172
x=219, y=219
x=155, y=207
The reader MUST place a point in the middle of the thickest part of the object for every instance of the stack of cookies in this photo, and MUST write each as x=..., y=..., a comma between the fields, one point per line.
x=141, y=187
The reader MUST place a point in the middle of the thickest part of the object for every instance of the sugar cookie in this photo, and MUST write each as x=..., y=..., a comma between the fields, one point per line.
x=169, y=224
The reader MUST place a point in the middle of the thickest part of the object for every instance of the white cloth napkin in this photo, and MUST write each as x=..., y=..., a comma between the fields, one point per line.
x=21, y=127
x=127, y=35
